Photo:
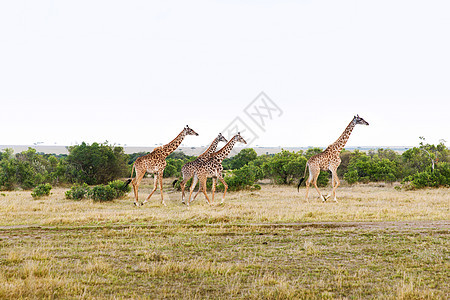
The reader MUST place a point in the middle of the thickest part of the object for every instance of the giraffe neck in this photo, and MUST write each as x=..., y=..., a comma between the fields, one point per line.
x=173, y=145
x=342, y=140
x=210, y=149
x=222, y=153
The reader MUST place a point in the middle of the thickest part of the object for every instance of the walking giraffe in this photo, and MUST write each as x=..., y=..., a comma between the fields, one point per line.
x=329, y=160
x=154, y=163
x=212, y=167
x=189, y=168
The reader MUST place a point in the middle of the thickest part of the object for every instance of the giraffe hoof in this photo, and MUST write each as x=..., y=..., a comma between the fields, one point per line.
x=136, y=204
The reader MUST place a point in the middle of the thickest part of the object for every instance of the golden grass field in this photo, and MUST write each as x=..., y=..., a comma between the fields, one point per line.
x=377, y=242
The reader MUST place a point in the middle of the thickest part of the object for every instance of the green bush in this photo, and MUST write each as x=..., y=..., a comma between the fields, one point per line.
x=103, y=193
x=173, y=167
x=420, y=159
x=113, y=190
x=41, y=190
x=364, y=168
x=96, y=163
x=78, y=192
x=241, y=159
x=26, y=169
x=283, y=167
x=8, y=180
x=437, y=178
x=243, y=178
x=120, y=187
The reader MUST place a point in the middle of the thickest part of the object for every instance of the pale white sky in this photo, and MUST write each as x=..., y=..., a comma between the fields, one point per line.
x=136, y=72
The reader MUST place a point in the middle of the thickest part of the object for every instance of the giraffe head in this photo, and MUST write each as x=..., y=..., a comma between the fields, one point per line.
x=189, y=131
x=222, y=138
x=239, y=138
x=358, y=120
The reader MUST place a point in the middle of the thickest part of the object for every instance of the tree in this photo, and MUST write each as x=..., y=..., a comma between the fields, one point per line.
x=365, y=168
x=283, y=167
x=242, y=178
x=7, y=170
x=96, y=163
x=241, y=159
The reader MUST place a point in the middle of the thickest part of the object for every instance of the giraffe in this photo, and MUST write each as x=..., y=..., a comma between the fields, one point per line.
x=154, y=163
x=329, y=160
x=189, y=168
x=212, y=167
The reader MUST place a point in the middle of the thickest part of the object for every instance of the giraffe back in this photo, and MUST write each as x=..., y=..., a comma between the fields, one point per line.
x=325, y=159
x=211, y=167
x=152, y=162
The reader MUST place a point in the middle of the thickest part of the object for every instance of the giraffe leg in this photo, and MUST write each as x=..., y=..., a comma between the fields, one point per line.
x=318, y=191
x=213, y=189
x=200, y=188
x=198, y=192
x=135, y=182
x=161, y=188
x=314, y=174
x=332, y=185
x=182, y=185
x=194, y=183
x=225, y=188
x=154, y=189
x=308, y=183
x=335, y=180
x=203, y=185
x=186, y=177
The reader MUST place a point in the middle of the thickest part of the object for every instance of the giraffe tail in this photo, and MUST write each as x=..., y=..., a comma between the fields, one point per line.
x=131, y=177
x=299, y=183
x=303, y=178
x=174, y=182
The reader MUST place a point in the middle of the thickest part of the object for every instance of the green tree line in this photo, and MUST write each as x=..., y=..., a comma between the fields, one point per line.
x=100, y=163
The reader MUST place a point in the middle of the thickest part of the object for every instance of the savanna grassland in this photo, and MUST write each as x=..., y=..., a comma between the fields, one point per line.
x=377, y=242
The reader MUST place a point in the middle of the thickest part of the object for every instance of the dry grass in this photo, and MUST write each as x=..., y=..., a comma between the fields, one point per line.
x=268, y=244
x=273, y=204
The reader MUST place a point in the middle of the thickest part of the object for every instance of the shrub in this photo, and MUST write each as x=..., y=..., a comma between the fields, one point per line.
x=283, y=167
x=78, y=192
x=96, y=163
x=173, y=167
x=41, y=190
x=103, y=193
x=8, y=179
x=242, y=178
x=114, y=189
x=241, y=159
x=363, y=168
x=437, y=178
x=120, y=187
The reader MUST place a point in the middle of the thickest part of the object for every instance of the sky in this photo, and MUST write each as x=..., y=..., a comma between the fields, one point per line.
x=284, y=73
